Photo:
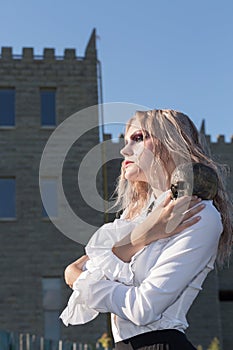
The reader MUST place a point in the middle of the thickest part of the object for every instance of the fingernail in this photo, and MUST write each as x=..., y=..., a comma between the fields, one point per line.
x=198, y=218
x=199, y=199
x=202, y=205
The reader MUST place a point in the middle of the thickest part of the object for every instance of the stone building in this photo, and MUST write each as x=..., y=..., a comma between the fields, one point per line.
x=36, y=95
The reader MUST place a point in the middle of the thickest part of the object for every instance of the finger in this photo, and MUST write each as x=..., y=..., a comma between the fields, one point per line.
x=194, y=201
x=82, y=259
x=189, y=214
x=188, y=208
x=181, y=201
x=178, y=221
x=174, y=223
x=188, y=223
x=180, y=205
x=186, y=204
x=185, y=225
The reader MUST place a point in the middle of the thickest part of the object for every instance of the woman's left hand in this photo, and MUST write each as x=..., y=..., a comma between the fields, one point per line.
x=166, y=220
x=74, y=270
x=171, y=217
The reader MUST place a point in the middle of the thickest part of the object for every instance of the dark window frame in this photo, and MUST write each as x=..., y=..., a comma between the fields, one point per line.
x=7, y=107
x=225, y=295
x=52, y=303
x=12, y=216
x=48, y=107
x=52, y=200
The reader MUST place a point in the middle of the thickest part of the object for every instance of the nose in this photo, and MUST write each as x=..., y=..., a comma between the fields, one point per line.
x=126, y=151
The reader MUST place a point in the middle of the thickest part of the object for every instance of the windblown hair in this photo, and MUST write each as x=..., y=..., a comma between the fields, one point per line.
x=175, y=137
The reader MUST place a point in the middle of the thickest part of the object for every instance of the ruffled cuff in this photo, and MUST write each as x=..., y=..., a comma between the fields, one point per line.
x=111, y=266
x=77, y=311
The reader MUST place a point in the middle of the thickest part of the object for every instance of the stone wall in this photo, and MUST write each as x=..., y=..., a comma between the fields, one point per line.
x=32, y=248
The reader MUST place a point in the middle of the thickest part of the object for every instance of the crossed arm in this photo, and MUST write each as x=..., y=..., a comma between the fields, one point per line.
x=167, y=220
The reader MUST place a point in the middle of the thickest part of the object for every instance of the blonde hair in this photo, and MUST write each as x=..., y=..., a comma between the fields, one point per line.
x=174, y=135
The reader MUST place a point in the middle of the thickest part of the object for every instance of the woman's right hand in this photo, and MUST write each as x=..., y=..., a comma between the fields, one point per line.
x=74, y=270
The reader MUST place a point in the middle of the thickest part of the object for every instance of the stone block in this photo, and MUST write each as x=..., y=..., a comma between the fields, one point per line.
x=28, y=54
x=70, y=54
x=6, y=53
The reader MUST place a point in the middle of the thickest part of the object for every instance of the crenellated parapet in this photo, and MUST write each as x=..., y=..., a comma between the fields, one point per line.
x=49, y=54
x=73, y=80
x=221, y=140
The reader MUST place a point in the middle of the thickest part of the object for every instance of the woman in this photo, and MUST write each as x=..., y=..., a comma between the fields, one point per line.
x=147, y=267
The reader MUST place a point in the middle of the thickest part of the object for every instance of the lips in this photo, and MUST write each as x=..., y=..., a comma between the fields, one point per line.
x=127, y=162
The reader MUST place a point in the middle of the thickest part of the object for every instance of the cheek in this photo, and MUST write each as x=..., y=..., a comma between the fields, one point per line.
x=149, y=145
x=139, y=149
x=147, y=159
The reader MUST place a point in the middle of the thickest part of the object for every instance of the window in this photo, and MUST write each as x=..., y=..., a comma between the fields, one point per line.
x=48, y=188
x=48, y=107
x=51, y=287
x=7, y=106
x=226, y=295
x=7, y=198
x=226, y=309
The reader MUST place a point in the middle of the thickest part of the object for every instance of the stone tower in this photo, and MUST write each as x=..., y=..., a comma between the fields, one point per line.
x=37, y=93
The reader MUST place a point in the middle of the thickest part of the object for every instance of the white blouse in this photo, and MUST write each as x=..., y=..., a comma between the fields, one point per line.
x=156, y=288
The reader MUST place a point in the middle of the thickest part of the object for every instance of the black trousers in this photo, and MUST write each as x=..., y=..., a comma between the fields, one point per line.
x=166, y=339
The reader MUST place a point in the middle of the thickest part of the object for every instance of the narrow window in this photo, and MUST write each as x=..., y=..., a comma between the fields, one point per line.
x=226, y=295
x=7, y=198
x=51, y=288
x=48, y=106
x=48, y=188
x=7, y=106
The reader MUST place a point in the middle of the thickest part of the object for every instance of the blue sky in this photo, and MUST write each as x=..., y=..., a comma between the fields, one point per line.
x=158, y=53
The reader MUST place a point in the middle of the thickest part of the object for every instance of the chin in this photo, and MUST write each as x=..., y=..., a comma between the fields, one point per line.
x=131, y=178
x=135, y=176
